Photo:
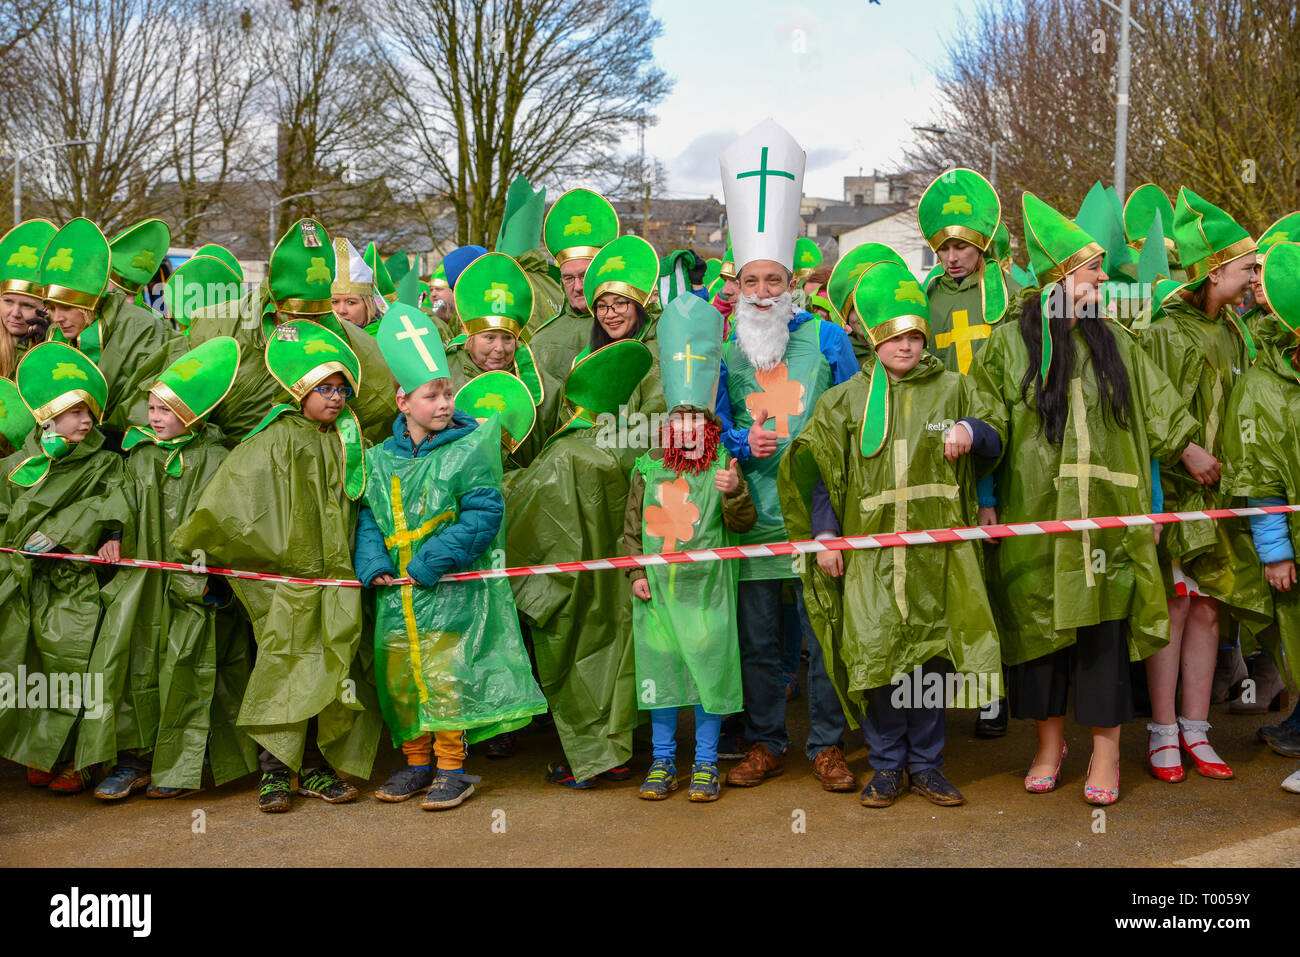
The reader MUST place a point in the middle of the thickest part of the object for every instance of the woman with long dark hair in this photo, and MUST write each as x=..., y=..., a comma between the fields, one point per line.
x=1081, y=412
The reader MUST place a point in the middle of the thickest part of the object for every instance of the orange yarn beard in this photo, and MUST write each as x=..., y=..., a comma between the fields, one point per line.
x=679, y=460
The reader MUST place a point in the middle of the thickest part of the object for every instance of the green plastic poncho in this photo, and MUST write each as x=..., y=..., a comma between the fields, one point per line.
x=175, y=666
x=1044, y=587
x=789, y=393
x=1263, y=461
x=50, y=609
x=448, y=657
x=277, y=505
x=685, y=640
x=958, y=326
x=894, y=608
x=1205, y=359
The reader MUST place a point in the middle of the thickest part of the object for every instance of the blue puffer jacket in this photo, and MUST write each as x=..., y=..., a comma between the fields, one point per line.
x=459, y=544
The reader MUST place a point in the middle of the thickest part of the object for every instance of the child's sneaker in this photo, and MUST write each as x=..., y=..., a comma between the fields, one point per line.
x=405, y=782
x=69, y=781
x=561, y=775
x=704, y=782
x=660, y=780
x=274, y=795
x=449, y=788
x=159, y=792
x=129, y=775
x=40, y=779
x=502, y=746
x=620, y=772
x=325, y=783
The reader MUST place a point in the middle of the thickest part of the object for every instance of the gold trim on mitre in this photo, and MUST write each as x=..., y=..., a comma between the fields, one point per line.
x=62, y=403
x=72, y=297
x=479, y=324
x=23, y=287
x=313, y=378
x=1075, y=261
x=304, y=307
x=362, y=289
x=1242, y=247
x=964, y=233
x=897, y=326
x=639, y=296
x=126, y=285
x=174, y=402
x=575, y=252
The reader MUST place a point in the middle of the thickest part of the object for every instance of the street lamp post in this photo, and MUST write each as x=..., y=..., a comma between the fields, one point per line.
x=18, y=172
x=1121, y=93
x=270, y=218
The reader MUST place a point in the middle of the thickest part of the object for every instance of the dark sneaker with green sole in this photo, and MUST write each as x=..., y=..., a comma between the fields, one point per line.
x=274, y=795
x=325, y=783
x=449, y=789
x=405, y=782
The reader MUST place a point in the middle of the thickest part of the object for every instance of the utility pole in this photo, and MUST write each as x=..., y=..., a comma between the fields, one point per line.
x=1121, y=93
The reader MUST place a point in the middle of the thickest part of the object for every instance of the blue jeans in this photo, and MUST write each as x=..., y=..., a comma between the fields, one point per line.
x=663, y=728
x=759, y=615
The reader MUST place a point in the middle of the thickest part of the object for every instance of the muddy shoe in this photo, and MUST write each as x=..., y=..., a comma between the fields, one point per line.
x=406, y=782
x=325, y=783
x=883, y=790
x=273, y=798
x=449, y=789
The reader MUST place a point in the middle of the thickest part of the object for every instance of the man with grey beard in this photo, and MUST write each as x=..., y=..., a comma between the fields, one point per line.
x=775, y=367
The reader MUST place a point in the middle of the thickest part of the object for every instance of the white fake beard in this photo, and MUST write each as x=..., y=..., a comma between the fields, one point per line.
x=763, y=334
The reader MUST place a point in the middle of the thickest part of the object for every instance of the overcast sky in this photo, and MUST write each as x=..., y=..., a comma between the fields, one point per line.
x=847, y=78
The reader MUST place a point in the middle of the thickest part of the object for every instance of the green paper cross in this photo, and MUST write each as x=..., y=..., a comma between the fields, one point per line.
x=68, y=370
x=24, y=256
x=577, y=225
x=188, y=369
x=909, y=291
x=62, y=260
x=763, y=173
x=958, y=204
x=318, y=271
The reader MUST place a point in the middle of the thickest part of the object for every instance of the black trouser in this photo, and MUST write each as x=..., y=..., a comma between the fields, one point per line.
x=1098, y=667
x=312, y=759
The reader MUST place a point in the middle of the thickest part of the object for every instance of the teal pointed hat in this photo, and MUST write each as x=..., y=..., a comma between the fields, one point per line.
x=411, y=346
x=494, y=293
x=137, y=252
x=74, y=268
x=302, y=270
x=20, y=257
x=398, y=265
x=601, y=382
x=16, y=421
x=301, y=354
x=807, y=257
x=1207, y=237
x=195, y=384
x=1281, y=279
x=1002, y=245
x=959, y=204
x=521, y=223
x=201, y=283
x=847, y=272
x=1285, y=230
x=384, y=284
x=224, y=254
x=1142, y=207
x=1102, y=217
x=502, y=394
x=627, y=266
x=578, y=225
x=690, y=352
x=53, y=377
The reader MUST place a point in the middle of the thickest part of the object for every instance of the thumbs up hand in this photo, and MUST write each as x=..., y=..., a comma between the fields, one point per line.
x=762, y=444
x=728, y=479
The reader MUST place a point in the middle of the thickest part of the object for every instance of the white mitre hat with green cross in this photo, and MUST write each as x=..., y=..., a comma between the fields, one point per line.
x=762, y=182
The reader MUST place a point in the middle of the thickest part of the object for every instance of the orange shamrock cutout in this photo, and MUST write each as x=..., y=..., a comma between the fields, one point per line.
x=781, y=397
x=674, y=518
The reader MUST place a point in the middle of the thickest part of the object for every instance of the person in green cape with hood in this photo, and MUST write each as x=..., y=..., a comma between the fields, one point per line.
x=1210, y=568
x=173, y=650
x=285, y=502
x=298, y=287
x=16, y=422
x=568, y=505
x=61, y=492
x=871, y=460
x=687, y=493
x=1262, y=463
x=1260, y=320
x=21, y=294
x=449, y=659
x=128, y=343
x=1082, y=413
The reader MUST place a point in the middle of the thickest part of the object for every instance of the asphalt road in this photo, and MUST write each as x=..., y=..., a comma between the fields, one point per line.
x=516, y=819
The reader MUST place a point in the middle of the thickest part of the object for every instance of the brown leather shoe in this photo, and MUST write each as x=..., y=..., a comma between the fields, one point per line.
x=759, y=764
x=830, y=768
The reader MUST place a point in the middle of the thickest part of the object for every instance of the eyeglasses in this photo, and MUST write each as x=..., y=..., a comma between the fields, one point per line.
x=609, y=308
x=332, y=390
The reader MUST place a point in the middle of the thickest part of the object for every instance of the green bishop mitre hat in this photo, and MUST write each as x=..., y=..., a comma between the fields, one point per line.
x=74, y=268
x=195, y=384
x=384, y=284
x=411, y=346
x=601, y=382
x=889, y=302
x=438, y=279
x=959, y=204
x=578, y=225
x=20, y=257
x=301, y=354
x=627, y=266
x=1285, y=230
x=690, y=352
x=502, y=394
x=1057, y=244
x=53, y=377
x=849, y=270
x=1140, y=211
x=1002, y=244
x=807, y=257
x=16, y=422
x=494, y=293
x=1207, y=237
x=201, y=283
x=302, y=270
x=1281, y=279
x=137, y=252
x=224, y=254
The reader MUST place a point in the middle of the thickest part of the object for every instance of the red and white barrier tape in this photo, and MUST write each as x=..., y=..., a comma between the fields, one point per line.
x=936, y=536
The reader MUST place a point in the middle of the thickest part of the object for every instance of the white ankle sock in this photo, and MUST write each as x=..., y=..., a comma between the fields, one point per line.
x=1194, y=735
x=1161, y=736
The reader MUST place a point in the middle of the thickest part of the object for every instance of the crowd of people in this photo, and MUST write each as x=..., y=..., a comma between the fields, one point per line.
x=343, y=423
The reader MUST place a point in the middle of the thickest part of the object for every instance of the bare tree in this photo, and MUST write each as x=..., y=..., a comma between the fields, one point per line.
x=487, y=90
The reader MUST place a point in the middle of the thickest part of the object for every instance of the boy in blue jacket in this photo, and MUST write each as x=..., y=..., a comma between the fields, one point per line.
x=450, y=662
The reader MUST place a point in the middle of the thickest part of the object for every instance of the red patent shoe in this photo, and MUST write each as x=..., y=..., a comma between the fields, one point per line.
x=1209, y=769
x=1172, y=774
